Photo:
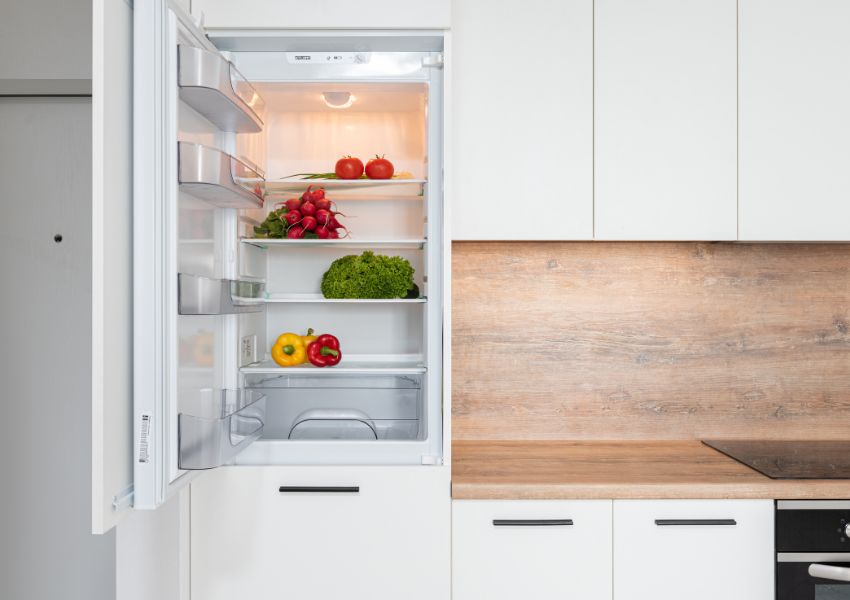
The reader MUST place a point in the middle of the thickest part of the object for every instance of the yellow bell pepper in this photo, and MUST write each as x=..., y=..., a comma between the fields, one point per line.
x=309, y=338
x=289, y=350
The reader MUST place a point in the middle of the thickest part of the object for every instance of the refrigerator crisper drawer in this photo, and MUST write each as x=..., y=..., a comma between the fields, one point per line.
x=211, y=85
x=373, y=408
x=215, y=425
x=217, y=178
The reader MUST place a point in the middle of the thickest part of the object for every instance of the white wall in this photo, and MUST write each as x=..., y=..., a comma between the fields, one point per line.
x=45, y=359
x=44, y=45
x=153, y=553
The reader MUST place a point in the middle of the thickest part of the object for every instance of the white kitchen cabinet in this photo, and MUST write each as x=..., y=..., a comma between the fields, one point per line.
x=794, y=120
x=388, y=540
x=665, y=120
x=541, y=549
x=522, y=120
x=326, y=14
x=695, y=549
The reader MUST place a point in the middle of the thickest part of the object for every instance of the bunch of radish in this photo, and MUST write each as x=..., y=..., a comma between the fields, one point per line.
x=312, y=215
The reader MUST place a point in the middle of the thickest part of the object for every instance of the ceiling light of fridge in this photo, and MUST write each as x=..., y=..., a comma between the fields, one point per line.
x=338, y=99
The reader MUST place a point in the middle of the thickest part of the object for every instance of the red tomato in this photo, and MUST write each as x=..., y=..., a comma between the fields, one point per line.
x=349, y=167
x=379, y=168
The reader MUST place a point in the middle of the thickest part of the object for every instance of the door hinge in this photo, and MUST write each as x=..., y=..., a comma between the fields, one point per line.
x=428, y=459
x=434, y=61
x=123, y=499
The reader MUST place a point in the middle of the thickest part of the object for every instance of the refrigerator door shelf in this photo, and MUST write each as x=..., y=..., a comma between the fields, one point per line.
x=211, y=85
x=218, y=178
x=204, y=296
x=217, y=425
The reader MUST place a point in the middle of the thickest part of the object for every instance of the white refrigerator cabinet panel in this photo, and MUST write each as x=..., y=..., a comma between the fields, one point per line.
x=112, y=261
x=522, y=120
x=317, y=538
x=794, y=120
x=695, y=549
x=324, y=14
x=665, y=120
x=541, y=549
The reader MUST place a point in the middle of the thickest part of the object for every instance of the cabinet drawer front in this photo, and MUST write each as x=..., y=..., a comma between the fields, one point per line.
x=699, y=549
x=321, y=532
x=542, y=549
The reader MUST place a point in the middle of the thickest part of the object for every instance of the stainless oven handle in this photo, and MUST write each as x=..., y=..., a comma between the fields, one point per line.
x=829, y=572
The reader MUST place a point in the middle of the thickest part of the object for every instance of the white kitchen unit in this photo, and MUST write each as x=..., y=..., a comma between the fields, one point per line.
x=698, y=549
x=541, y=549
x=328, y=14
x=522, y=120
x=364, y=533
x=665, y=120
x=794, y=123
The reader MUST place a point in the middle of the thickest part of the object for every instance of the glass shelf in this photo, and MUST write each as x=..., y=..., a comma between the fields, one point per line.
x=346, y=243
x=349, y=365
x=318, y=298
x=391, y=187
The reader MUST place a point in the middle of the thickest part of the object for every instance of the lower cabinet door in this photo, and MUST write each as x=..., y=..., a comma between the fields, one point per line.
x=540, y=549
x=321, y=533
x=694, y=549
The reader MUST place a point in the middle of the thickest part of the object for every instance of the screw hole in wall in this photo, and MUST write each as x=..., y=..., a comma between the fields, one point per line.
x=57, y=238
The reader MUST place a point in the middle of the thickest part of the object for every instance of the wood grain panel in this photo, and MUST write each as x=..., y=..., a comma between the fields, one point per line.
x=633, y=341
x=606, y=469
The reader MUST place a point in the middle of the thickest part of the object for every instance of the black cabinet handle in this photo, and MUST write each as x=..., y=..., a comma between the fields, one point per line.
x=667, y=522
x=319, y=489
x=532, y=522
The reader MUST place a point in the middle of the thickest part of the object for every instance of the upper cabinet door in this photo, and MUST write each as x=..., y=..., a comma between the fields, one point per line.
x=794, y=120
x=521, y=120
x=112, y=261
x=328, y=14
x=665, y=134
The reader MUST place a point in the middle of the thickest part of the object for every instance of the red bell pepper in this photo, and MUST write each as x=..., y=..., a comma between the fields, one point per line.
x=324, y=351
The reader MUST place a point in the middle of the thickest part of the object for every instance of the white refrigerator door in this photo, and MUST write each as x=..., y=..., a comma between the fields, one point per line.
x=189, y=413
x=112, y=168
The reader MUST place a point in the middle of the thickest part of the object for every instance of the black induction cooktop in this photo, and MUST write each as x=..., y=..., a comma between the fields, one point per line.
x=790, y=459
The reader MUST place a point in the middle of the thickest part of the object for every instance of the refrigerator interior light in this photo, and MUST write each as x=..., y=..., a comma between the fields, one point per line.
x=338, y=99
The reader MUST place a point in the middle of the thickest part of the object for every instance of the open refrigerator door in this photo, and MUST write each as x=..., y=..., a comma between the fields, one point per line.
x=224, y=136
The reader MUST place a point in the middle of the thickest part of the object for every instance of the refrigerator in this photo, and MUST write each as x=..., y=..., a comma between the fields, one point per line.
x=224, y=129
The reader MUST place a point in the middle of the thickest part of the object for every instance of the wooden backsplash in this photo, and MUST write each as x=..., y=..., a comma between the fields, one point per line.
x=598, y=340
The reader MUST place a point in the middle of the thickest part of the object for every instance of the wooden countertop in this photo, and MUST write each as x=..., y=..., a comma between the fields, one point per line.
x=616, y=469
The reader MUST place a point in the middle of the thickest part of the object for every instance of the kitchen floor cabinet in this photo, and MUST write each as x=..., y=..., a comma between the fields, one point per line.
x=304, y=533
x=522, y=120
x=794, y=122
x=665, y=120
x=695, y=549
x=541, y=549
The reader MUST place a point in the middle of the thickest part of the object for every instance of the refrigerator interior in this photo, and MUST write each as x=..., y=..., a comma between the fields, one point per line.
x=382, y=404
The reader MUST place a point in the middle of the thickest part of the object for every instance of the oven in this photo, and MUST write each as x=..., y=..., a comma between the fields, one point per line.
x=813, y=550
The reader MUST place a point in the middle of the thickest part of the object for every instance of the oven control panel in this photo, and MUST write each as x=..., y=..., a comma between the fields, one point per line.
x=802, y=530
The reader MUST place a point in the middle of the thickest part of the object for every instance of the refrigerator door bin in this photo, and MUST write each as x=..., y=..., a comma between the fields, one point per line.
x=372, y=408
x=215, y=425
x=211, y=85
x=218, y=178
x=204, y=296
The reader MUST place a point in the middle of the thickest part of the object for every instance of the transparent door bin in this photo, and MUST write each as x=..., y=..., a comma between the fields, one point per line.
x=210, y=84
x=215, y=425
x=371, y=408
x=217, y=178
